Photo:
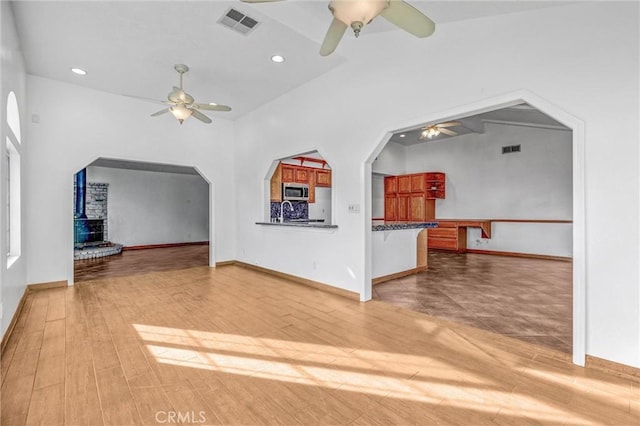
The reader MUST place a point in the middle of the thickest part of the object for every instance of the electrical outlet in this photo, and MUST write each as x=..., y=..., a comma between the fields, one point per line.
x=354, y=208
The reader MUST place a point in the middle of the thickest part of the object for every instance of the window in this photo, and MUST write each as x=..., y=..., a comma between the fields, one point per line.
x=8, y=201
x=12, y=181
x=13, y=116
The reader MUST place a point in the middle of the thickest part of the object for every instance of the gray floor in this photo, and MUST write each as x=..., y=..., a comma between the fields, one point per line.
x=528, y=299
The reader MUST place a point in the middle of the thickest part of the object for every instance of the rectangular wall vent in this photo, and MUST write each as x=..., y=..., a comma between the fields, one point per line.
x=238, y=22
x=510, y=149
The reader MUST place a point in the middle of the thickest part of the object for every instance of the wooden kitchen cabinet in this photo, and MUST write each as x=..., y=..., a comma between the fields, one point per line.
x=415, y=196
x=435, y=185
x=418, y=182
x=276, y=184
x=301, y=175
x=404, y=184
x=323, y=178
x=448, y=236
x=451, y=234
x=288, y=173
x=391, y=208
x=312, y=187
x=391, y=185
x=417, y=207
x=403, y=206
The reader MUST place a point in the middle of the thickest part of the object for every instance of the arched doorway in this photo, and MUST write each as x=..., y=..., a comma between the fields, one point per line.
x=157, y=215
x=577, y=192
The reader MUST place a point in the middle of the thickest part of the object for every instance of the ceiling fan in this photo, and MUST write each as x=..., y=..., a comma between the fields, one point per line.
x=434, y=130
x=358, y=13
x=183, y=105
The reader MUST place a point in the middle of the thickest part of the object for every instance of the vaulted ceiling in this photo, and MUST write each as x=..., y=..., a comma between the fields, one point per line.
x=130, y=48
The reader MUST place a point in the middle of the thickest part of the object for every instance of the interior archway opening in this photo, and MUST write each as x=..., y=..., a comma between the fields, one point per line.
x=509, y=170
x=133, y=217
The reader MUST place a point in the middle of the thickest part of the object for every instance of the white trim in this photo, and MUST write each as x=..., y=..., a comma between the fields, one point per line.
x=579, y=206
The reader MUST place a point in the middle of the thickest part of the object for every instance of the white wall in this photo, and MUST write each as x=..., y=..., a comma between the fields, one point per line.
x=482, y=183
x=391, y=161
x=553, y=53
x=13, y=280
x=68, y=138
x=394, y=251
x=377, y=195
x=154, y=208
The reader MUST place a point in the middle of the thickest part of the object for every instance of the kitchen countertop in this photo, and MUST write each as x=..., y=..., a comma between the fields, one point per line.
x=395, y=226
x=298, y=224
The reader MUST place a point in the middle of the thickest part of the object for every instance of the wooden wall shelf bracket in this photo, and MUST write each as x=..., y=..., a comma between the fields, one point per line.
x=310, y=160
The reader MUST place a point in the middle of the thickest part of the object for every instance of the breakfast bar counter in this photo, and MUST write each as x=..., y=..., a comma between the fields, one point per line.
x=398, y=249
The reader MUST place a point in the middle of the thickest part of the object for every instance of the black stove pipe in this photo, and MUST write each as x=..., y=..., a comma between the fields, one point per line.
x=81, y=195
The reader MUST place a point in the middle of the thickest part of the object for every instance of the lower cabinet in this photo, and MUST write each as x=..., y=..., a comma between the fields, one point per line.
x=391, y=209
x=448, y=236
x=403, y=206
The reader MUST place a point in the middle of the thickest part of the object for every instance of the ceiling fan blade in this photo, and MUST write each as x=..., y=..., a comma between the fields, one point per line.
x=200, y=116
x=408, y=18
x=162, y=111
x=448, y=124
x=333, y=37
x=448, y=132
x=210, y=107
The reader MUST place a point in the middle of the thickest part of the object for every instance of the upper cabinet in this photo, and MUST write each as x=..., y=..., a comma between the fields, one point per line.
x=435, y=185
x=276, y=184
x=412, y=197
x=302, y=175
x=307, y=174
x=391, y=184
x=323, y=178
x=288, y=173
x=404, y=184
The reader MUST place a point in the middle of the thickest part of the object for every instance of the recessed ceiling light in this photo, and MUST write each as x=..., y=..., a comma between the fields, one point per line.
x=78, y=71
x=402, y=135
x=278, y=59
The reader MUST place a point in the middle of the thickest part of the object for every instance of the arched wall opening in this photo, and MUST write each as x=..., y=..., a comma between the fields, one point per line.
x=303, y=179
x=578, y=198
x=132, y=205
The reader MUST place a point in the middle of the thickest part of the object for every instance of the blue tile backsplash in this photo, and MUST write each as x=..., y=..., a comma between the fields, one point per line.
x=300, y=210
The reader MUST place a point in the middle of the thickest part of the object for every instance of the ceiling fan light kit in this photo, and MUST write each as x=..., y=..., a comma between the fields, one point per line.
x=433, y=130
x=180, y=113
x=182, y=105
x=358, y=13
x=430, y=132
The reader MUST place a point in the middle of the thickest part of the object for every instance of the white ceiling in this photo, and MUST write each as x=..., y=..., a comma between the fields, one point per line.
x=143, y=166
x=517, y=115
x=130, y=48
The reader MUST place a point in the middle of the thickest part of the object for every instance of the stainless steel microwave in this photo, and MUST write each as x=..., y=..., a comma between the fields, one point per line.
x=295, y=191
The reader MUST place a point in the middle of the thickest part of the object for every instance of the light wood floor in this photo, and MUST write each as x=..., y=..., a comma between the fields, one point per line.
x=231, y=345
x=528, y=299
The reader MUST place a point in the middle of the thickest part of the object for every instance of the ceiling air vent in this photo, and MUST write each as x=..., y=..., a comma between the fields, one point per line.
x=238, y=22
x=510, y=149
